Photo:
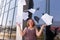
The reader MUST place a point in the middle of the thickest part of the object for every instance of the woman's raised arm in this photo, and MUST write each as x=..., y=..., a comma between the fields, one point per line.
x=38, y=33
x=22, y=32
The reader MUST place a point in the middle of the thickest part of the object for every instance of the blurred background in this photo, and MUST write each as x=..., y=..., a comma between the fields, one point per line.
x=8, y=11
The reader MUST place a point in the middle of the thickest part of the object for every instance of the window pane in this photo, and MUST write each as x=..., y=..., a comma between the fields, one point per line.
x=2, y=9
x=1, y=18
x=10, y=17
x=6, y=8
x=12, y=4
x=4, y=20
x=4, y=3
x=8, y=1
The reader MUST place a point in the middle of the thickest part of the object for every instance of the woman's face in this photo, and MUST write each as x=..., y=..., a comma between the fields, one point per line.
x=30, y=22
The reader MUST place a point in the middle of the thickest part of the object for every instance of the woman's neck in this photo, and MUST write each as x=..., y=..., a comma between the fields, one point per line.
x=30, y=27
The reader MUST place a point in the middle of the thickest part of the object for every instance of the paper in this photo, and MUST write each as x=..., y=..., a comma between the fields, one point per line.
x=23, y=2
x=25, y=15
x=32, y=10
x=47, y=19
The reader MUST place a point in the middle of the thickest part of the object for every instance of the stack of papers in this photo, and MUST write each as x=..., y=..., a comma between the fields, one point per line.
x=32, y=10
x=47, y=19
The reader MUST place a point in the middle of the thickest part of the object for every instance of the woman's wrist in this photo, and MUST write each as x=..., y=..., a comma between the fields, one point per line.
x=43, y=26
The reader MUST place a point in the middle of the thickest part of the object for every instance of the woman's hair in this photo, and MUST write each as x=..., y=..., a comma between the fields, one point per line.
x=32, y=21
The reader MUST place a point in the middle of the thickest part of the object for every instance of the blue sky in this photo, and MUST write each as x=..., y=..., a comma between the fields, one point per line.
x=54, y=9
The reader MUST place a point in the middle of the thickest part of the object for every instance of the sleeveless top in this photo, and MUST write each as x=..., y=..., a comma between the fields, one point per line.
x=30, y=34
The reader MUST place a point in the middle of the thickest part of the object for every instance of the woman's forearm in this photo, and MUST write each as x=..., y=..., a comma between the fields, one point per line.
x=22, y=33
x=40, y=31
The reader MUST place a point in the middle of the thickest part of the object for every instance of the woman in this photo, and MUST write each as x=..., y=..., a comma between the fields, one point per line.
x=30, y=32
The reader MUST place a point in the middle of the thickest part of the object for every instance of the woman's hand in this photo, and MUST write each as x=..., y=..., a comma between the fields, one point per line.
x=18, y=25
x=39, y=33
x=43, y=26
x=22, y=32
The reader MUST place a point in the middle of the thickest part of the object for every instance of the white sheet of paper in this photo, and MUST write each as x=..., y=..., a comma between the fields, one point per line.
x=23, y=2
x=32, y=10
x=47, y=19
x=25, y=15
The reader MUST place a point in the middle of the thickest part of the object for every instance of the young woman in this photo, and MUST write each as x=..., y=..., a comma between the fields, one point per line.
x=30, y=32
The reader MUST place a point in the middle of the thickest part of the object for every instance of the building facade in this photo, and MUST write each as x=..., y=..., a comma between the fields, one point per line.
x=8, y=11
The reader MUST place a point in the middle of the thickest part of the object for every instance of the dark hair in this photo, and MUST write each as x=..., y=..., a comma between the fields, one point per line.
x=33, y=22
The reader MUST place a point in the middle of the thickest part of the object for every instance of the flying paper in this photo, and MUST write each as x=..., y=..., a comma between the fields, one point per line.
x=47, y=19
x=23, y=2
x=32, y=10
x=25, y=15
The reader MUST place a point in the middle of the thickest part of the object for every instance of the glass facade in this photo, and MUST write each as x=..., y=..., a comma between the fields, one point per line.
x=8, y=10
